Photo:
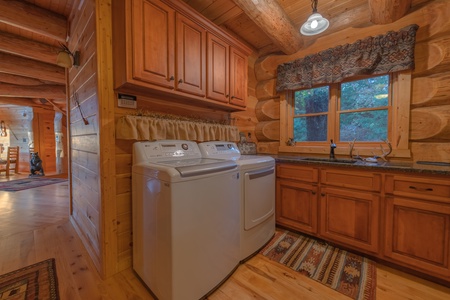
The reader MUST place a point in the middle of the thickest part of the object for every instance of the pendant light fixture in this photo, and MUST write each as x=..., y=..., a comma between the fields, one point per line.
x=63, y=59
x=316, y=23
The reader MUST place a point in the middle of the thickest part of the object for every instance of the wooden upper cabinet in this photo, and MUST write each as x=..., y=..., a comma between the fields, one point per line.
x=227, y=72
x=165, y=49
x=153, y=42
x=191, y=57
x=238, y=77
x=218, y=69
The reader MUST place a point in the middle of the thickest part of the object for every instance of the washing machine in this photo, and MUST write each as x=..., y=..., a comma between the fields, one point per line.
x=257, y=194
x=185, y=219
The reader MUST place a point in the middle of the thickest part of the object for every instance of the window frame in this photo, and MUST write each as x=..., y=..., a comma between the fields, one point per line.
x=398, y=128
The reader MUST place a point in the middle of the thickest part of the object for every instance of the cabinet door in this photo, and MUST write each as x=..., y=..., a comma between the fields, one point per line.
x=350, y=217
x=191, y=57
x=418, y=234
x=238, y=77
x=296, y=205
x=218, y=69
x=153, y=35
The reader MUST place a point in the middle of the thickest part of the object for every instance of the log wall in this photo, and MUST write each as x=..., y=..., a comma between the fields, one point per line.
x=101, y=165
x=430, y=104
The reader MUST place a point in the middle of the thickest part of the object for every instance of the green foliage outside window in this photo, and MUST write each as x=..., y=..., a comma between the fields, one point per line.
x=362, y=111
x=311, y=107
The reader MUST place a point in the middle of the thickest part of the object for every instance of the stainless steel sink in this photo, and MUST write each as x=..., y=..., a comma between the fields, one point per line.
x=331, y=160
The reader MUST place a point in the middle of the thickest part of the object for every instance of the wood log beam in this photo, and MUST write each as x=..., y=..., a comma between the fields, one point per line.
x=430, y=123
x=18, y=45
x=31, y=68
x=36, y=91
x=268, y=147
x=268, y=131
x=435, y=17
x=20, y=101
x=431, y=90
x=274, y=21
x=388, y=11
x=33, y=18
x=56, y=107
x=432, y=57
x=268, y=110
x=20, y=80
x=266, y=89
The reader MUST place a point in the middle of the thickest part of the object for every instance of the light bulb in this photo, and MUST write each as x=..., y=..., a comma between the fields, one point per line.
x=314, y=24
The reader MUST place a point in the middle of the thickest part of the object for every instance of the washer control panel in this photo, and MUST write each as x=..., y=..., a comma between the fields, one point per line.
x=144, y=151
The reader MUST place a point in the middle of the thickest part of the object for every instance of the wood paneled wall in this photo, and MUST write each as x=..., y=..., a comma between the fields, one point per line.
x=84, y=134
x=429, y=134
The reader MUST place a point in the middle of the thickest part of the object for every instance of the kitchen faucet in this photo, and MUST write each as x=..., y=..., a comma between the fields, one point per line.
x=332, y=146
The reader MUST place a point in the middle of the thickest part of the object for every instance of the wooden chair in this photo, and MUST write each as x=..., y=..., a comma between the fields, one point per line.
x=11, y=162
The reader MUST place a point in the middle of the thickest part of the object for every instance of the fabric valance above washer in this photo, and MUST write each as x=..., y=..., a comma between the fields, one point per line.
x=145, y=128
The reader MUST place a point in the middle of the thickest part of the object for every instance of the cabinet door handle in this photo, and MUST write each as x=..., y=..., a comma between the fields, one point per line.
x=420, y=189
x=323, y=195
x=313, y=193
x=226, y=96
x=171, y=78
x=180, y=81
x=232, y=97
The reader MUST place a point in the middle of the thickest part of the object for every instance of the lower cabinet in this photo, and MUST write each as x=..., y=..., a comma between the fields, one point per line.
x=350, y=217
x=417, y=223
x=403, y=218
x=418, y=235
x=296, y=205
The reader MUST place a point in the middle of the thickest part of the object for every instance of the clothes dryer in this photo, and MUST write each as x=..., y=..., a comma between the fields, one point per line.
x=257, y=192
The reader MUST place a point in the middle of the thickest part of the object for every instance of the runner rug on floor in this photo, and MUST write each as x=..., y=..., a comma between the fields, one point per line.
x=28, y=183
x=37, y=281
x=345, y=272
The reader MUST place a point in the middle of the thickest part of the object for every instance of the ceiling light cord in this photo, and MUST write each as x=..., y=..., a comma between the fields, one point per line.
x=314, y=6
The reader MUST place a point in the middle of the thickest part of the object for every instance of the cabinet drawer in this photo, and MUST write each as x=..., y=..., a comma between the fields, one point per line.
x=365, y=181
x=290, y=171
x=418, y=187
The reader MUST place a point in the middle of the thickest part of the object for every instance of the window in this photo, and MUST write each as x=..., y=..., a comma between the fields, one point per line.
x=368, y=110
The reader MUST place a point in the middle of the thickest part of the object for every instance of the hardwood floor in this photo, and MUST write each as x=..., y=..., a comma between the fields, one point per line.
x=35, y=226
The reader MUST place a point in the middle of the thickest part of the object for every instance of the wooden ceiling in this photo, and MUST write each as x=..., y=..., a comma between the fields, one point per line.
x=31, y=30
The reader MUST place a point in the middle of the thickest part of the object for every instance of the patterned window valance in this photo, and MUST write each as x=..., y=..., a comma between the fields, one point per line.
x=151, y=128
x=391, y=52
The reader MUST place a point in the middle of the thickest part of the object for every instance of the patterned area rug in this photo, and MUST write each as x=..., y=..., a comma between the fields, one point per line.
x=28, y=183
x=37, y=281
x=347, y=273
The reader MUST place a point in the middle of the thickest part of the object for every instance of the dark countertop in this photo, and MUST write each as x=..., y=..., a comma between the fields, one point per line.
x=406, y=167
